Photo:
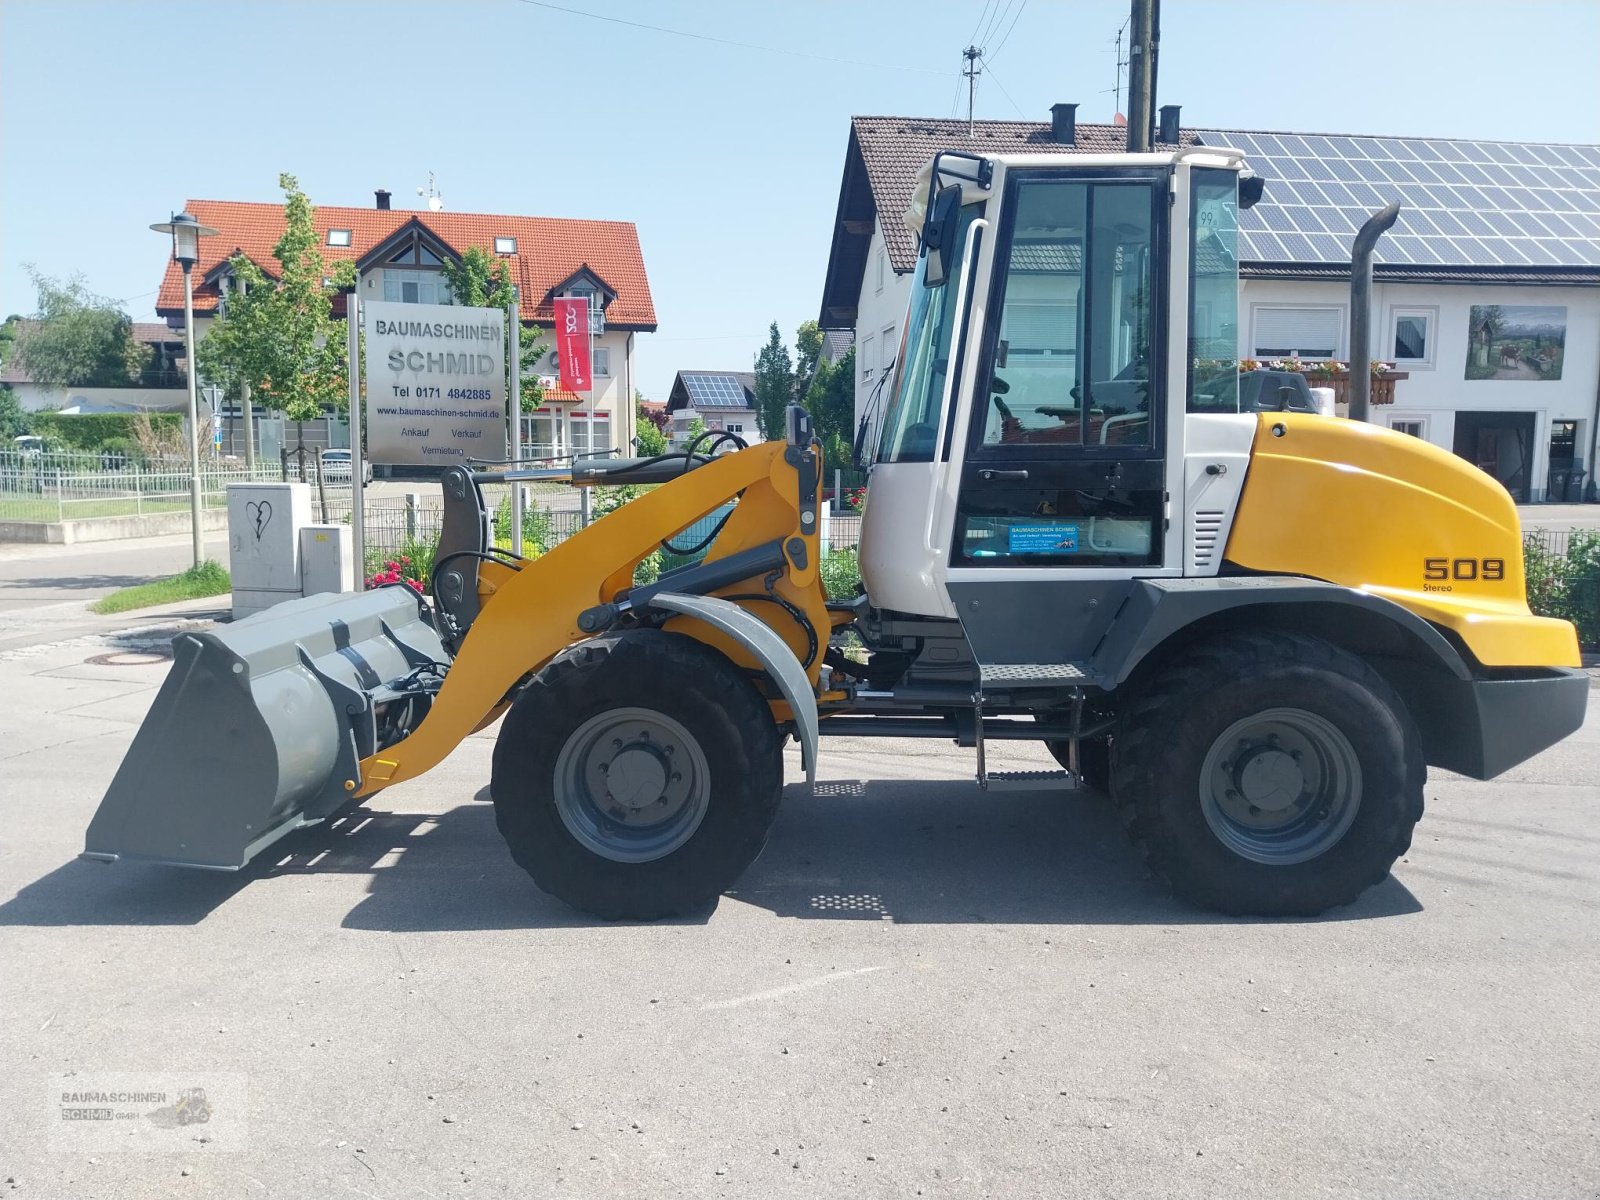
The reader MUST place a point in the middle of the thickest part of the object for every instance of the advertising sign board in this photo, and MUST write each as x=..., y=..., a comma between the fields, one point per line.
x=436, y=383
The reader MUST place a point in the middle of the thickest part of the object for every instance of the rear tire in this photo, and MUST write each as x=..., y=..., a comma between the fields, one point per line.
x=1268, y=774
x=697, y=751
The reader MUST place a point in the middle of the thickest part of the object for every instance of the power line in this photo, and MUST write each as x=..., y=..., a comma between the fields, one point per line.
x=702, y=37
x=973, y=36
x=998, y=19
x=995, y=79
x=1009, y=28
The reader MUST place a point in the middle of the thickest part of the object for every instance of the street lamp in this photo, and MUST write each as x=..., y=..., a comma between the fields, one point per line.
x=186, y=233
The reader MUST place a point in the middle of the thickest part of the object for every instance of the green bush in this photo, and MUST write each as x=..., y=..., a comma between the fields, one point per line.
x=841, y=574
x=91, y=431
x=1566, y=585
x=538, y=531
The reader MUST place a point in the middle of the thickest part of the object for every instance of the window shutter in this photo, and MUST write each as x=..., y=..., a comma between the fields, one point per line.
x=1308, y=332
x=1039, y=328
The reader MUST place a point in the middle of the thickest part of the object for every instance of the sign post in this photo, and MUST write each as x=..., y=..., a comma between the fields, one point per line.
x=358, y=493
x=436, y=374
x=514, y=349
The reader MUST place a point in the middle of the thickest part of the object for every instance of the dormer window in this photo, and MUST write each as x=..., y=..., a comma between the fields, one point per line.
x=597, y=316
x=505, y=245
x=338, y=237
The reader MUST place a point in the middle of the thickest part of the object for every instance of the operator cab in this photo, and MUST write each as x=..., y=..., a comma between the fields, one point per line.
x=1066, y=313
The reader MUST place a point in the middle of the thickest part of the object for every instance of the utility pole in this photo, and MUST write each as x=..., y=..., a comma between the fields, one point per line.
x=1144, y=37
x=972, y=54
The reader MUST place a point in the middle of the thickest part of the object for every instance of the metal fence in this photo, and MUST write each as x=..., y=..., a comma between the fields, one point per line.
x=77, y=486
x=401, y=524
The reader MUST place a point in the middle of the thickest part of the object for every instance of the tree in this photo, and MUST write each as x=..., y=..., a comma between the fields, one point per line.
x=482, y=281
x=14, y=422
x=831, y=401
x=649, y=429
x=81, y=340
x=831, y=398
x=279, y=335
x=807, y=353
x=774, y=385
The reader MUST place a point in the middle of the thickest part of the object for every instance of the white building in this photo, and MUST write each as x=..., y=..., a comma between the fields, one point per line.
x=719, y=400
x=1486, y=292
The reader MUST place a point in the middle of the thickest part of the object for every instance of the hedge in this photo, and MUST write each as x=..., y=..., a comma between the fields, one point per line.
x=90, y=431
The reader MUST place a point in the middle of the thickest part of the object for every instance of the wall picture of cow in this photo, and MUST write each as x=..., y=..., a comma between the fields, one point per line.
x=1516, y=341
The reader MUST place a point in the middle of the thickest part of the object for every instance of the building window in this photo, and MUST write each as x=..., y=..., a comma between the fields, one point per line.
x=602, y=362
x=505, y=245
x=597, y=318
x=1298, y=332
x=1416, y=427
x=544, y=441
x=866, y=360
x=888, y=347
x=731, y=428
x=415, y=287
x=591, y=433
x=880, y=270
x=1412, y=340
x=338, y=237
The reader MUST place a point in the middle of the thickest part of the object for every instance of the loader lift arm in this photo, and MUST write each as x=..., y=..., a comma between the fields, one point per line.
x=529, y=612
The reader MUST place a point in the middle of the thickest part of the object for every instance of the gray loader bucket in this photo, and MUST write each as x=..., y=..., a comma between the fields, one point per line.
x=259, y=727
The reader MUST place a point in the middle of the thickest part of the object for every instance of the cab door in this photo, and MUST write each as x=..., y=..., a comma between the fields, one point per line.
x=1064, y=472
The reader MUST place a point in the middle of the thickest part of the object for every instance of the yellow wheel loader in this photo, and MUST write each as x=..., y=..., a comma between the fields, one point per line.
x=1254, y=630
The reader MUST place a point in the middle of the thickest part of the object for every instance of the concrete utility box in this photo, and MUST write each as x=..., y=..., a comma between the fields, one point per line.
x=264, y=524
x=327, y=559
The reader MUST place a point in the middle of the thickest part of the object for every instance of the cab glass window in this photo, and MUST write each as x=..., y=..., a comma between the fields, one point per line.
x=1213, y=291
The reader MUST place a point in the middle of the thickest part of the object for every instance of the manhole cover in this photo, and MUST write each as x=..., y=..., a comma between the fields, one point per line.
x=130, y=658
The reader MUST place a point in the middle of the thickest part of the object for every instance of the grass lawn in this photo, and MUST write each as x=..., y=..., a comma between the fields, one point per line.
x=208, y=579
x=17, y=506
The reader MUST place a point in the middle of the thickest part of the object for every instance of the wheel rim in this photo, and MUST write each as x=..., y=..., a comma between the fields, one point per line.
x=632, y=785
x=1281, y=786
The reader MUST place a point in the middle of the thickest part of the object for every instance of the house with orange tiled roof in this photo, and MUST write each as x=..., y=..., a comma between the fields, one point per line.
x=399, y=256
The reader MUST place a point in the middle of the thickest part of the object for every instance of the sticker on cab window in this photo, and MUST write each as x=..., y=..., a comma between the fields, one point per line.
x=1046, y=537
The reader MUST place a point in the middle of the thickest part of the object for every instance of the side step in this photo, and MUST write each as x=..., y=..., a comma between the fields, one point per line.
x=1027, y=781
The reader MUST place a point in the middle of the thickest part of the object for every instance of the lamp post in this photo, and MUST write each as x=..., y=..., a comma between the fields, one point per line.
x=186, y=233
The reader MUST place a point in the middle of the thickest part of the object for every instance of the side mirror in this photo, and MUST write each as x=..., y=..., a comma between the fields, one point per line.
x=939, y=235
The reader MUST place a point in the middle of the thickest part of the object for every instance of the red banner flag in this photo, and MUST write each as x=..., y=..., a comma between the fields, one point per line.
x=572, y=343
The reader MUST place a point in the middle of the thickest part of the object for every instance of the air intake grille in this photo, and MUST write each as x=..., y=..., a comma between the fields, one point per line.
x=1207, y=529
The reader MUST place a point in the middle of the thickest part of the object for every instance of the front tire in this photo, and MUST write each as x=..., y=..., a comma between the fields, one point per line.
x=1268, y=774
x=637, y=776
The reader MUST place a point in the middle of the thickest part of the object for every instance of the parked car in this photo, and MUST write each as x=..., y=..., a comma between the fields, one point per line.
x=336, y=467
x=28, y=443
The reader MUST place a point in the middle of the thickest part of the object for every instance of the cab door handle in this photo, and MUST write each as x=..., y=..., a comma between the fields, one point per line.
x=988, y=474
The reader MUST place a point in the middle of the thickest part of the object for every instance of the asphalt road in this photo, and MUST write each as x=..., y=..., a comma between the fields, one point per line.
x=919, y=989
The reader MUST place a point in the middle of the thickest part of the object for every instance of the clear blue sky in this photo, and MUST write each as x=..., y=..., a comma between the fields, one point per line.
x=727, y=158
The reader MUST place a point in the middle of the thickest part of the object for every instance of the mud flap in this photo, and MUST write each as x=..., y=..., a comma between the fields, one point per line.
x=260, y=727
x=770, y=650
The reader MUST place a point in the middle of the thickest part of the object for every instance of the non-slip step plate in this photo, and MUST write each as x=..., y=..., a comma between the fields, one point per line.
x=1016, y=781
x=1040, y=673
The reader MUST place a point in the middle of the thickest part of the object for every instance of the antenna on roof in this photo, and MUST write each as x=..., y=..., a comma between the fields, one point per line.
x=431, y=194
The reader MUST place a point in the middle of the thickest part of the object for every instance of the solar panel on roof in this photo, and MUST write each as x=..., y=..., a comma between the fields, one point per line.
x=714, y=391
x=1463, y=203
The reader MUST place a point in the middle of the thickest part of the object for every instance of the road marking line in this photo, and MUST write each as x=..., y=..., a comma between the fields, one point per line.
x=774, y=993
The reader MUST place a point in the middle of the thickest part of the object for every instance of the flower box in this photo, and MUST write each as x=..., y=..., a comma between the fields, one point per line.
x=1335, y=375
